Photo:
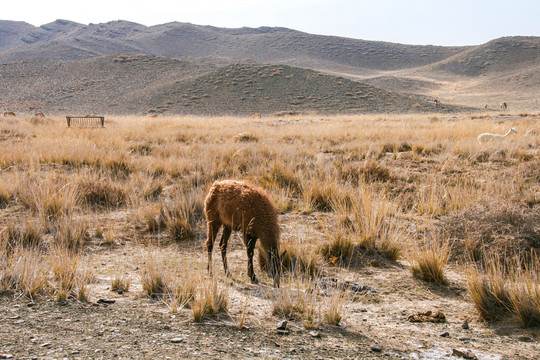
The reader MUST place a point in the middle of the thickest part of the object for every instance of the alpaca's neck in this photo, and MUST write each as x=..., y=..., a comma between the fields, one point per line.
x=508, y=133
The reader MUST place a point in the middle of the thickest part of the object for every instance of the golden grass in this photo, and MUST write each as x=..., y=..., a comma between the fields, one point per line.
x=378, y=181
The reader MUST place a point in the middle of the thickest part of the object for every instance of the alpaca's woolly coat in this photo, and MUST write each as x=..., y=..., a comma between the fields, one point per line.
x=244, y=207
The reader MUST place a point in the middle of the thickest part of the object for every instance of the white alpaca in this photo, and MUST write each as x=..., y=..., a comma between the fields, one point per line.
x=485, y=137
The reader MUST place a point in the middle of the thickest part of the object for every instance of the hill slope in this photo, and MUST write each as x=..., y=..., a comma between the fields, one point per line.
x=129, y=84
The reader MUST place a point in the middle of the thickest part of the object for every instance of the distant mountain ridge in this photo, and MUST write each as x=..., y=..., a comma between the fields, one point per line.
x=66, y=40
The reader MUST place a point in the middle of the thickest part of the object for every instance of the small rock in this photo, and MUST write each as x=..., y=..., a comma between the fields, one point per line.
x=47, y=344
x=466, y=354
x=283, y=332
x=525, y=339
x=427, y=316
x=6, y=356
x=177, y=340
x=99, y=351
x=376, y=348
x=315, y=334
x=445, y=334
x=282, y=325
x=465, y=325
x=75, y=352
x=106, y=301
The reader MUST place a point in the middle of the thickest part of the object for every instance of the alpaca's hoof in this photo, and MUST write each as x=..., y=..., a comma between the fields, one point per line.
x=254, y=280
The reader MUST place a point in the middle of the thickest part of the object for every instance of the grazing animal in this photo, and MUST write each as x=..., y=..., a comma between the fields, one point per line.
x=503, y=106
x=257, y=116
x=437, y=102
x=485, y=137
x=42, y=115
x=239, y=205
x=9, y=113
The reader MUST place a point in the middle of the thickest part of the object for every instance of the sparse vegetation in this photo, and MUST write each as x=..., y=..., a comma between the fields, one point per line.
x=356, y=195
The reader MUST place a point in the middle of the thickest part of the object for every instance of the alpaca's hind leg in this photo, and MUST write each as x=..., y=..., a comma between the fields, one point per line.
x=223, y=246
x=250, y=244
x=213, y=228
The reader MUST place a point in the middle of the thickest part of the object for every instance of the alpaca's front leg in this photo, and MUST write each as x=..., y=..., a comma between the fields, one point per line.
x=250, y=244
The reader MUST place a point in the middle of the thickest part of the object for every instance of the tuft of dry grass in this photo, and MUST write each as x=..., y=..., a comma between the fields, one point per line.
x=296, y=299
x=98, y=191
x=502, y=287
x=430, y=262
x=210, y=298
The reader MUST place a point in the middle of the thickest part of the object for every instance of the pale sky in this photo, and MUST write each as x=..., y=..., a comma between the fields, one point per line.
x=436, y=22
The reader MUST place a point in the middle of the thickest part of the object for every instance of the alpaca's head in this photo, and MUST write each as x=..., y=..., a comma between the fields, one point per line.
x=513, y=130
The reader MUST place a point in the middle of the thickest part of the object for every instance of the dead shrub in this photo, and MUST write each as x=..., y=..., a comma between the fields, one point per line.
x=428, y=263
x=101, y=192
x=505, y=229
x=27, y=234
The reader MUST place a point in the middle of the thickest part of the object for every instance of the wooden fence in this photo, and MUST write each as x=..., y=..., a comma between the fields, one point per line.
x=85, y=121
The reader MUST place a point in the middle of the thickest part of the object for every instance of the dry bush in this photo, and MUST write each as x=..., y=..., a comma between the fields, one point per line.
x=99, y=191
x=340, y=250
x=500, y=228
x=26, y=234
x=6, y=193
x=183, y=291
x=70, y=234
x=296, y=300
x=429, y=262
x=50, y=199
x=488, y=290
x=70, y=279
x=498, y=290
x=182, y=214
x=334, y=307
x=280, y=176
x=210, y=298
x=325, y=195
x=25, y=272
x=296, y=258
x=156, y=275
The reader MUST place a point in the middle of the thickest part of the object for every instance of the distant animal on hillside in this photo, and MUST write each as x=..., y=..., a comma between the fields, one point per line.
x=39, y=114
x=240, y=205
x=485, y=137
x=9, y=113
x=256, y=116
x=437, y=102
x=504, y=106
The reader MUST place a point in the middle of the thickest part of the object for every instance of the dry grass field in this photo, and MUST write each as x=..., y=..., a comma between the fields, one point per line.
x=400, y=231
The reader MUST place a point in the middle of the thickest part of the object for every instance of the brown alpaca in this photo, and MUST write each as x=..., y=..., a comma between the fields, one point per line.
x=437, y=102
x=239, y=205
x=39, y=115
x=256, y=116
x=9, y=113
x=503, y=106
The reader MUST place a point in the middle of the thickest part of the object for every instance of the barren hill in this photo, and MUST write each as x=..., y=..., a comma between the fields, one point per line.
x=122, y=67
x=123, y=84
x=69, y=41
